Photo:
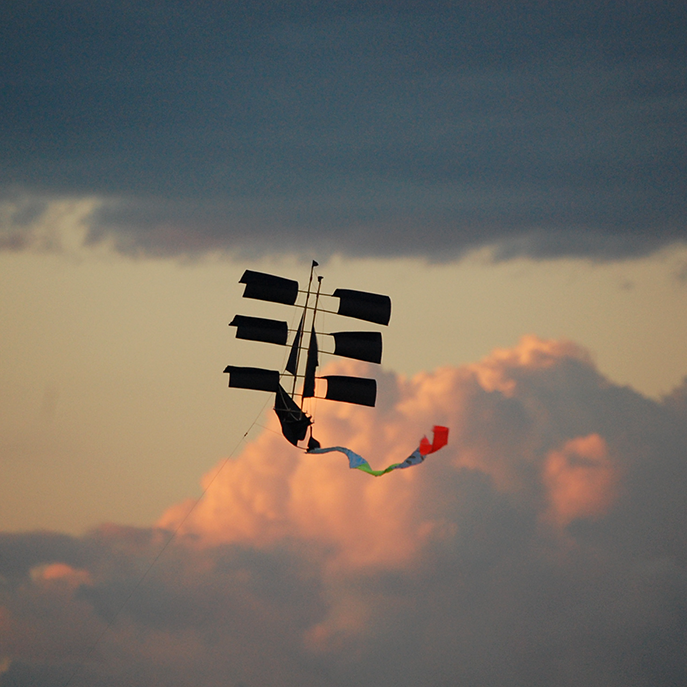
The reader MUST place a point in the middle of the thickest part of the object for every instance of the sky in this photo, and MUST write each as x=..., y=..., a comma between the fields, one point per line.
x=511, y=175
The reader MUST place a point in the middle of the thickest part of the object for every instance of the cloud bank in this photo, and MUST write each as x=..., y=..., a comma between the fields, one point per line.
x=357, y=128
x=544, y=546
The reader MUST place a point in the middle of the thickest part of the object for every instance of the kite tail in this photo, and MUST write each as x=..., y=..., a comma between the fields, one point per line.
x=357, y=462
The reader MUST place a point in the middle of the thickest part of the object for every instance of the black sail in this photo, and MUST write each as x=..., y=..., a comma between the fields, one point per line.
x=371, y=307
x=365, y=346
x=294, y=422
x=268, y=287
x=260, y=329
x=358, y=390
x=292, y=362
x=310, y=366
x=252, y=378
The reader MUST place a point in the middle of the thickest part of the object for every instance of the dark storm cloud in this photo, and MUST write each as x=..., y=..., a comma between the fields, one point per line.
x=359, y=128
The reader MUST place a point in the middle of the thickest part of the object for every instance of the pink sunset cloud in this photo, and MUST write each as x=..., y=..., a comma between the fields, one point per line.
x=544, y=545
x=580, y=479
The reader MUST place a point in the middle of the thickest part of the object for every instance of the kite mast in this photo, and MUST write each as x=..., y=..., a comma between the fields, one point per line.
x=312, y=361
x=301, y=328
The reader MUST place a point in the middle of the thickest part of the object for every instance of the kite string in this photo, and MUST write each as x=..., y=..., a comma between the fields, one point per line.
x=169, y=540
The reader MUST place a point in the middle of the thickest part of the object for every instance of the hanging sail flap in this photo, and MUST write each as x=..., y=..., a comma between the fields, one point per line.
x=294, y=422
x=357, y=390
x=370, y=307
x=310, y=366
x=365, y=346
x=267, y=287
x=253, y=378
x=260, y=329
x=292, y=362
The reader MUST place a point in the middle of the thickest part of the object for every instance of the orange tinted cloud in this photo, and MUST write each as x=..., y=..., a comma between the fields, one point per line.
x=581, y=479
x=294, y=569
x=61, y=573
x=504, y=366
x=272, y=491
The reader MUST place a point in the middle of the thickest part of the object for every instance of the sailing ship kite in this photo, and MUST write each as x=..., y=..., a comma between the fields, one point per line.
x=300, y=371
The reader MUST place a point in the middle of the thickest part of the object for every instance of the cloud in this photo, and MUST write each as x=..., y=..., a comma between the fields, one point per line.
x=580, y=479
x=32, y=223
x=544, y=545
x=352, y=128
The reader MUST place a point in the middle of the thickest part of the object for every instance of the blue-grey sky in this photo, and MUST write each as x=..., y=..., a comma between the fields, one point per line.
x=358, y=128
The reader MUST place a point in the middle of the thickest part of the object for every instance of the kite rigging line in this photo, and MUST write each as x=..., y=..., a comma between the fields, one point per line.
x=169, y=540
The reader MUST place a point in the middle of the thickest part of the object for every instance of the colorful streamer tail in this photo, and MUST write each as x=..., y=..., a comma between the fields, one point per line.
x=357, y=462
